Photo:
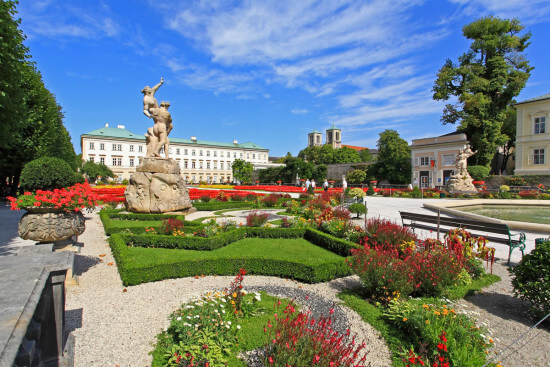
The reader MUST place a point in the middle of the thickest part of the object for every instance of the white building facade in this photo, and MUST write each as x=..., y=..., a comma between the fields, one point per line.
x=121, y=150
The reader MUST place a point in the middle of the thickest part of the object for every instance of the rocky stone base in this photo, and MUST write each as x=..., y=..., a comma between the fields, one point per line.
x=157, y=187
x=460, y=183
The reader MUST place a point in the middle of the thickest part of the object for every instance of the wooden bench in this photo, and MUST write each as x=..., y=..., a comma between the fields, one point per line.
x=494, y=232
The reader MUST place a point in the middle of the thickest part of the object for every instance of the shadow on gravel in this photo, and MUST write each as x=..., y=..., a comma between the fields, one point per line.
x=502, y=305
x=73, y=321
x=83, y=263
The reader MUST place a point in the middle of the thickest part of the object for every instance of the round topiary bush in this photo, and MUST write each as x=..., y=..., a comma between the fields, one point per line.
x=358, y=209
x=47, y=173
x=532, y=279
x=478, y=173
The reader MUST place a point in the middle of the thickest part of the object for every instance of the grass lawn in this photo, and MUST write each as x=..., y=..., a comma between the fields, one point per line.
x=294, y=250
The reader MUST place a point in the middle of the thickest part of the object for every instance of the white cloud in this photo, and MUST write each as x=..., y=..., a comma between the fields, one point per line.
x=529, y=12
x=299, y=111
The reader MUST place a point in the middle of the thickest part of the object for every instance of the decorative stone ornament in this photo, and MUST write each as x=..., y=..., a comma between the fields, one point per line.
x=50, y=225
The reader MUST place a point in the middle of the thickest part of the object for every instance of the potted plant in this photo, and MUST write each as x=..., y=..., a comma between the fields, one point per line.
x=53, y=215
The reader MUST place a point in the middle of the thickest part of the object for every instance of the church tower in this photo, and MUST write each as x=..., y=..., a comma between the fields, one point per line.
x=314, y=139
x=334, y=137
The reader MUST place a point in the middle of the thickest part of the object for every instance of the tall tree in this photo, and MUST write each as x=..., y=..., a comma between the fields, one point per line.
x=509, y=131
x=394, y=158
x=486, y=79
x=346, y=155
x=365, y=155
x=242, y=170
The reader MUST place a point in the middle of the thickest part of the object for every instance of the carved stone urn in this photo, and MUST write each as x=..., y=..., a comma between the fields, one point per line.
x=50, y=225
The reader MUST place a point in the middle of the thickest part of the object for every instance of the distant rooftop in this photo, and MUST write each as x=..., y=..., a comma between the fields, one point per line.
x=315, y=132
x=536, y=99
x=354, y=147
x=122, y=133
x=333, y=127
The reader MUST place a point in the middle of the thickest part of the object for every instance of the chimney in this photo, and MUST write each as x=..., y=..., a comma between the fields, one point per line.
x=194, y=139
x=106, y=125
x=235, y=142
x=120, y=126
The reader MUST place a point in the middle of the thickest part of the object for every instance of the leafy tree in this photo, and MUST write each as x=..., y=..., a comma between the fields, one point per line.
x=311, y=154
x=47, y=173
x=94, y=170
x=242, y=170
x=320, y=173
x=346, y=155
x=394, y=158
x=508, y=130
x=365, y=155
x=326, y=155
x=485, y=81
x=356, y=176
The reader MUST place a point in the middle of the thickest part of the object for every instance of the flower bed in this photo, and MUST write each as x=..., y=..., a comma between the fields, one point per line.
x=195, y=194
x=110, y=194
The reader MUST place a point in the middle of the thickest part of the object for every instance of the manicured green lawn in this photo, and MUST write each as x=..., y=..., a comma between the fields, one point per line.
x=295, y=250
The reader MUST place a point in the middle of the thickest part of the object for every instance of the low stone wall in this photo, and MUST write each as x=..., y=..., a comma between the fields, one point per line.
x=337, y=171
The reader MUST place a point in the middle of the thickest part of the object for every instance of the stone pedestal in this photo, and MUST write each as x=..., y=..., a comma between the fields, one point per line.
x=157, y=187
x=461, y=183
x=50, y=225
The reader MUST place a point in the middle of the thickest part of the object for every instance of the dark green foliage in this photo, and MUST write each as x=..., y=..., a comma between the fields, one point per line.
x=370, y=190
x=416, y=193
x=365, y=155
x=356, y=176
x=94, y=170
x=478, y=173
x=487, y=78
x=358, y=209
x=532, y=279
x=394, y=159
x=47, y=173
x=331, y=243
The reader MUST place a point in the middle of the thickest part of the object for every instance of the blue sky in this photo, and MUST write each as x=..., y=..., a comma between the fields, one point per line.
x=264, y=71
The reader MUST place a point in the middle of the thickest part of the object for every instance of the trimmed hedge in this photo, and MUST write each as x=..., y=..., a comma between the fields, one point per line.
x=133, y=273
x=136, y=227
x=218, y=205
x=329, y=242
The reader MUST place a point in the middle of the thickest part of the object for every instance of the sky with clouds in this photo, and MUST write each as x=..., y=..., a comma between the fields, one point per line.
x=264, y=71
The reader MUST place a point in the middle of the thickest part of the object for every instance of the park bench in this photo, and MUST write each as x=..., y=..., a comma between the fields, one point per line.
x=494, y=232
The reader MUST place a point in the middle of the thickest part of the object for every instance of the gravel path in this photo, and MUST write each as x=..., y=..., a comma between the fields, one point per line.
x=114, y=325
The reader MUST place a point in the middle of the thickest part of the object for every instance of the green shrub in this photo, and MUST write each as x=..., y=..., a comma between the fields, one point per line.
x=532, y=279
x=219, y=205
x=370, y=190
x=504, y=188
x=78, y=178
x=357, y=193
x=47, y=173
x=478, y=173
x=416, y=193
x=358, y=209
x=205, y=198
x=504, y=195
x=331, y=243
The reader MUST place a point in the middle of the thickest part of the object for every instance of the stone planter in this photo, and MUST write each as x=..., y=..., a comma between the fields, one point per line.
x=50, y=225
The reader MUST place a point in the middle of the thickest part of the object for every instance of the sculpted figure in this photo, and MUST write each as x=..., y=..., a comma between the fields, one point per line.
x=158, y=134
x=461, y=160
x=149, y=100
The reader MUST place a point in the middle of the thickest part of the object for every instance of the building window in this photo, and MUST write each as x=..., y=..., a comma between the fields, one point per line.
x=131, y=162
x=215, y=153
x=185, y=163
x=200, y=153
x=241, y=155
x=221, y=153
x=221, y=166
x=448, y=159
x=92, y=158
x=200, y=165
x=228, y=165
x=234, y=155
x=540, y=125
x=215, y=165
x=91, y=146
x=114, y=147
x=538, y=156
x=177, y=151
x=208, y=165
x=208, y=153
x=193, y=166
x=424, y=161
x=193, y=152
x=101, y=146
x=102, y=160
x=185, y=151
x=140, y=148
x=117, y=161
x=131, y=148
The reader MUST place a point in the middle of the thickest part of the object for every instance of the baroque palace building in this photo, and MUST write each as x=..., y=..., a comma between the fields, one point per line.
x=121, y=150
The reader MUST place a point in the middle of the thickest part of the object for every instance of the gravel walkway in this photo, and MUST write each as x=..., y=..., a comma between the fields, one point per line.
x=114, y=325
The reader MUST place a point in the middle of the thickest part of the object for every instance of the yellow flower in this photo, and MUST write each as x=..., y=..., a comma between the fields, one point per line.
x=235, y=295
x=426, y=307
x=232, y=302
x=437, y=313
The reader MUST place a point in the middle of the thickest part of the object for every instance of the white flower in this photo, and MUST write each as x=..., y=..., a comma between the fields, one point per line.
x=189, y=317
x=243, y=292
x=223, y=311
x=229, y=322
x=197, y=316
x=238, y=326
x=223, y=300
x=179, y=318
x=227, y=326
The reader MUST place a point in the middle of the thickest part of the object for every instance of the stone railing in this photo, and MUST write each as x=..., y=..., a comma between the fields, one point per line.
x=32, y=304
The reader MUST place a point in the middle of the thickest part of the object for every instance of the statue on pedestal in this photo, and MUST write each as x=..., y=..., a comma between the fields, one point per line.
x=462, y=181
x=158, y=185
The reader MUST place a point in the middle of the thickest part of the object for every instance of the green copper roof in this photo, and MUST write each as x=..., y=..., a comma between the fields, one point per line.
x=536, y=99
x=315, y=132
x=114, y=132
x=333, y=127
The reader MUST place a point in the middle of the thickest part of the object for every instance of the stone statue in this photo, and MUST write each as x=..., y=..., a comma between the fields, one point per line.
x=156, y=136
x=461, y=160
x=462, y=181
x=149, y=100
